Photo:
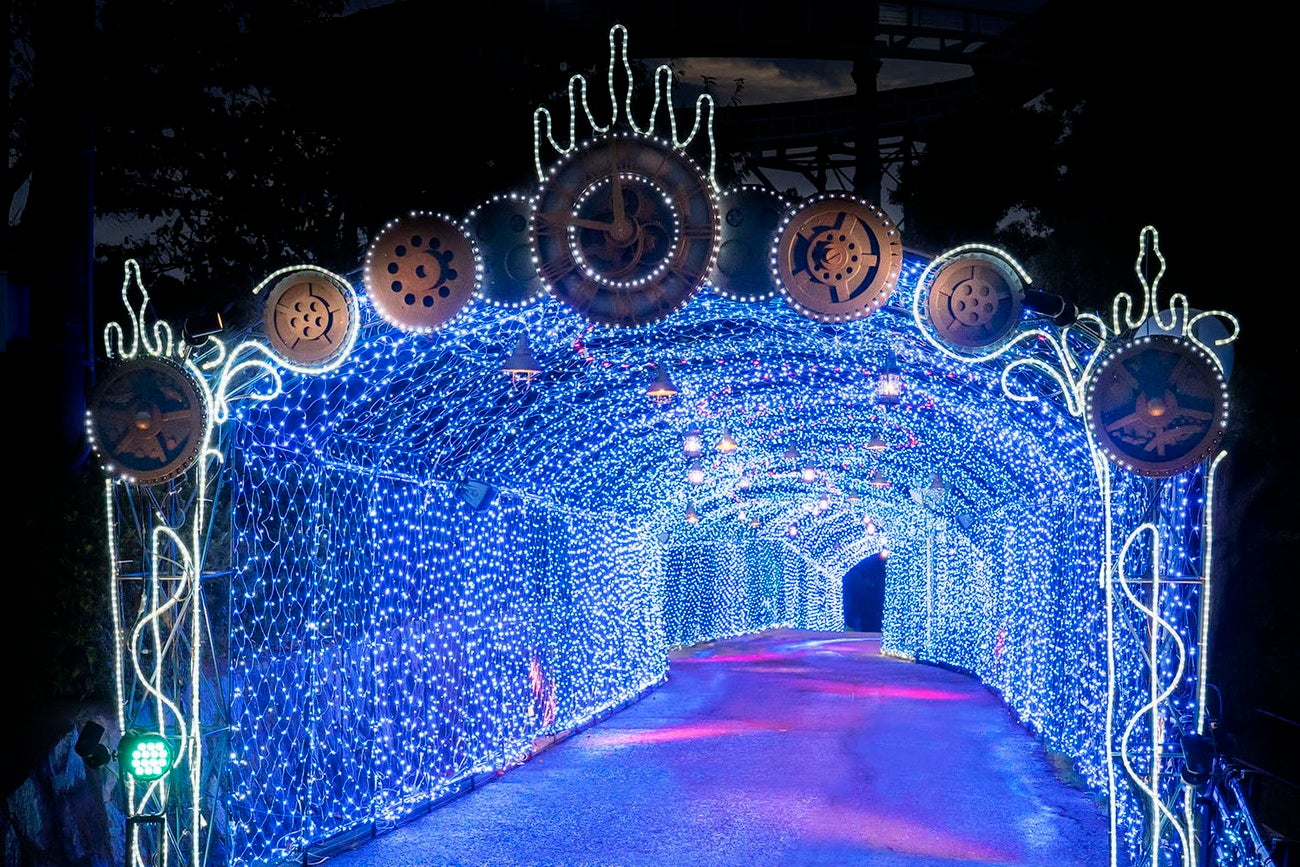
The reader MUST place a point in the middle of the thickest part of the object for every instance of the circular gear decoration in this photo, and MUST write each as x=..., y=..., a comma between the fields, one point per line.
x=975, y=301
x=500, y=228
x=421, y=271
x=1207, y=330
x=1157, y=405
x=750, y=215
x=147, y=419
x=310, y=320
x=836, y=257
x=625, y=229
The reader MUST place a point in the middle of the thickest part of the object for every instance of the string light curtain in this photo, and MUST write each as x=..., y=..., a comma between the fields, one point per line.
x=388, y=640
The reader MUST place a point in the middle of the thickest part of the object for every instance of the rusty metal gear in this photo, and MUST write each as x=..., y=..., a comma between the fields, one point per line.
x=975, y=301
x=147, y=419
x=1157, y=405
x=837, y=257
x=310, y=320
x=421, y=271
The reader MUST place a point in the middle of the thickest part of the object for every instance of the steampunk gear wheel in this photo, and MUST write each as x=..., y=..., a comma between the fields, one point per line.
x=147, y=419
x=1157, y=405
x=421, y=271
x=625, y=230
x=310, y=320
x=500, y=227
x=975, y=301
x=750, y=215
x=836, y=257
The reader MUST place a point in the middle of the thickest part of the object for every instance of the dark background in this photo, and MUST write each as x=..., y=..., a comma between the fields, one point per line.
x=1156, y=114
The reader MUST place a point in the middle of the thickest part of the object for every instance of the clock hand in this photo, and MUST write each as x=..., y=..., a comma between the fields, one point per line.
x=559, y=218
x=623, y=229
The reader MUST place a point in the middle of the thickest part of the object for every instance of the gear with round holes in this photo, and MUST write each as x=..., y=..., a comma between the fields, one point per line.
x=421, y=271
x=624, y=230
x=1157, y=405
x=310, y=320
x=975, y=301
x=836, y=257
x=147, y=420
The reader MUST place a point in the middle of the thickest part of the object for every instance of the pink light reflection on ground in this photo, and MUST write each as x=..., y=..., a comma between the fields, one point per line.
x=696, y=731
x=863, y=690
x=884, y=831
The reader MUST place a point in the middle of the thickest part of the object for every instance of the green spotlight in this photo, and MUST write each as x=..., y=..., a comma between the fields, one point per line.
x=145, y=755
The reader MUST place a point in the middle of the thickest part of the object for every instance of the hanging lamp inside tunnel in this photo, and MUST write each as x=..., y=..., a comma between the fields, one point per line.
x=727, y=444
x=521, y=367
x=692, y=442
x=662, y=389
x=889, y=382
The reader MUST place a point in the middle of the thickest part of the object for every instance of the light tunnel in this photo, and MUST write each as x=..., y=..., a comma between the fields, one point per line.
x=356, y=573
x=414, y=570
x=436, y=566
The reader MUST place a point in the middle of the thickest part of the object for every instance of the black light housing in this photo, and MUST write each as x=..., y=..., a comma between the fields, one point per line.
x=90, y=745
x=1053, y=306
x=1198, y=759
x=200, y=326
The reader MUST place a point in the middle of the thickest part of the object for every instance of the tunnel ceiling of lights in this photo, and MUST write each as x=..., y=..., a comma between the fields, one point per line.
x=827, y=374
x=533, y=445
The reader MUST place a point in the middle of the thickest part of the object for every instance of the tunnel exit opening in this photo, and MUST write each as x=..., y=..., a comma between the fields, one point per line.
x=864, y=595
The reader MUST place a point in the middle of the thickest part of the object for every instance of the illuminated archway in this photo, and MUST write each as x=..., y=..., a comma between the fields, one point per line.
x=372, y=564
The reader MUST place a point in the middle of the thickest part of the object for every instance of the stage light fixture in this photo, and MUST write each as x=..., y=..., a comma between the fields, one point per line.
x=1198, y=759
x=145, y=755
x=90, y=747
x=200, y=326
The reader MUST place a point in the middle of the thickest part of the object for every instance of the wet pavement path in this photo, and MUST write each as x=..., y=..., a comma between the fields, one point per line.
x=781, y=749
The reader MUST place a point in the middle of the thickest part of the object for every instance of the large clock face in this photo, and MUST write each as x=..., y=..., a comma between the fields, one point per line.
x=625, y=230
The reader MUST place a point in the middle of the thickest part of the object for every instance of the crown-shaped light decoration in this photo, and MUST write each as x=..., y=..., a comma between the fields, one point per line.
x=543, y=127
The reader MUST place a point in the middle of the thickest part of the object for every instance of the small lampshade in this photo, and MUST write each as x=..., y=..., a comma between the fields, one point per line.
x=662, y=389
x=695, y=474
x=521, y=367
x=728, y=443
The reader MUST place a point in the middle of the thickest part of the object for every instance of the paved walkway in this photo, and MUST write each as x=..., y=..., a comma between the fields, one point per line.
x=783, y=749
